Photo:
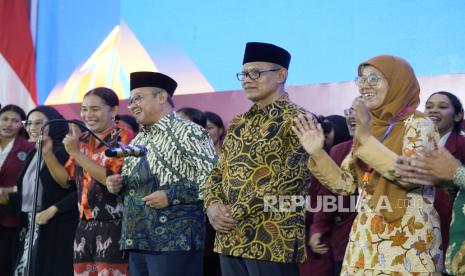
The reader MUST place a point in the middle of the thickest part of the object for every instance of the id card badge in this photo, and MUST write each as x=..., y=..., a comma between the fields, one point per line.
x=361, y=194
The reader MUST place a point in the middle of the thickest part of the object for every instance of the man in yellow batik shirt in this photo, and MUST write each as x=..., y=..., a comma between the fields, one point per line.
x=254, y=196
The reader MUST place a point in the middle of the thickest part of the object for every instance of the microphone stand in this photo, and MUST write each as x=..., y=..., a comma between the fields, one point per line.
x=32, y=225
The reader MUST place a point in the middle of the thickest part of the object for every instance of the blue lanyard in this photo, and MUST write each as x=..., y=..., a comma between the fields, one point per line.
x=394, y=121
x=404, y=110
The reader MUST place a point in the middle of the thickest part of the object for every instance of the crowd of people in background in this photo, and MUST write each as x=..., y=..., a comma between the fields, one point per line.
x=196, y=201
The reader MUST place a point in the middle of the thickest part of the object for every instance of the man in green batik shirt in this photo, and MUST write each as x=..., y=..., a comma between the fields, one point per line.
x=163, y=218
x=262, y=160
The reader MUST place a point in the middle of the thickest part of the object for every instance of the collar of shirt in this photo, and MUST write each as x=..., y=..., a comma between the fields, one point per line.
x=163, y=123
x=5, y=151
x=443, y=140
x=110, y=136
x=255, y=109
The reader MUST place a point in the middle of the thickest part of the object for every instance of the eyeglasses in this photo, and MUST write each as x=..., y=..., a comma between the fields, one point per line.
x=29, y=123
x=371, y=80
x=137, y=99
x=254, y=73
x=349, y=111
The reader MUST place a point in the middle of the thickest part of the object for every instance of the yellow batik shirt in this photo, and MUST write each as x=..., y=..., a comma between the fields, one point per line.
x=262, y=160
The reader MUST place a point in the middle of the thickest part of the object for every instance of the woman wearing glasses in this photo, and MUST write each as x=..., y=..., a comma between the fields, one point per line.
x=56, y=206
x=13, y=152
x=96, y=242
x=397, y=229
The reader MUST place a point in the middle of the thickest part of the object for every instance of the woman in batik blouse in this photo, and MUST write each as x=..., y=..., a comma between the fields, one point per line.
x=397, y=229
x=96, y=242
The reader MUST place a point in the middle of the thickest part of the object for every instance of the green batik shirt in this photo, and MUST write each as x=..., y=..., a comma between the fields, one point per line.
x=179, y=159
x=262, y=159
x=455, y=255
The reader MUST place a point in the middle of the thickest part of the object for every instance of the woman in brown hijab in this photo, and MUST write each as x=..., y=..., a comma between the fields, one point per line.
x=397, y=230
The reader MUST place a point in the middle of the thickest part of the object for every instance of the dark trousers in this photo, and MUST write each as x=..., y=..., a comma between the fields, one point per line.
x=337, y=268
x=211, y=265
x=236, y=266
x=177, y=263
x=7, y=250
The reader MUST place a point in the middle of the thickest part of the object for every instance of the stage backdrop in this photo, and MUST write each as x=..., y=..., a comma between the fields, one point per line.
x=87, y=43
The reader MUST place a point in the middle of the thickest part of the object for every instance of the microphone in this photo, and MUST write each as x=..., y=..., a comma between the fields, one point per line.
x=130, y=150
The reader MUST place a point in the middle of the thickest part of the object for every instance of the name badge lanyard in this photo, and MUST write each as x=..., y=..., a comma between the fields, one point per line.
x=368, y=170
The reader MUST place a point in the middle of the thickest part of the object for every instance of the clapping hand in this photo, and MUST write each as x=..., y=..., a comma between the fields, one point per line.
x=362, y=120
x=427, y=167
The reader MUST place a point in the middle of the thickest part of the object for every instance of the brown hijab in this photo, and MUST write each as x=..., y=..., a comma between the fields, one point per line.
x=403, y=91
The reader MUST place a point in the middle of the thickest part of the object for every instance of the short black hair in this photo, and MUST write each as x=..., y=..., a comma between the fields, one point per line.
x=130, y=120
x=106, y=94
x=217, y=121
x=195, y=115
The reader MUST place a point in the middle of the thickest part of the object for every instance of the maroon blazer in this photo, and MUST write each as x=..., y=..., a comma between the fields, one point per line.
x=335, y=226
x=9, y=174
x=444, y=200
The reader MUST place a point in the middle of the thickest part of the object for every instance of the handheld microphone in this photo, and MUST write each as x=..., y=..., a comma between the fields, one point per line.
x=130, y=150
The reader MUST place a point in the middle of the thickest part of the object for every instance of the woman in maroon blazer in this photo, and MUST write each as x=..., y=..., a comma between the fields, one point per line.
x=338, y=132
x=446, y=111
x=13, y=152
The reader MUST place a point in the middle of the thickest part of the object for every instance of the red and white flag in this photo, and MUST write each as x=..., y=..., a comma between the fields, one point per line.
x=17, y=62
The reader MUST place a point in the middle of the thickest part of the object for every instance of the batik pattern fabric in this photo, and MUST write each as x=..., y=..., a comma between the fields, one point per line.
x=262, y=161
x=96, y=249
x=455, y=256
x=408, y=246
x=179, y=159
x=24, y=240
x=94, y=200
x=96, y=243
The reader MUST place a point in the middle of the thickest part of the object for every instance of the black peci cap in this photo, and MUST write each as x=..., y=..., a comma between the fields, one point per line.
x=258, y=51
x=153, y=79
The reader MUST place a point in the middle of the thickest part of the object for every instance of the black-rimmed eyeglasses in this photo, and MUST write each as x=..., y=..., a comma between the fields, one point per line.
x=254, y=74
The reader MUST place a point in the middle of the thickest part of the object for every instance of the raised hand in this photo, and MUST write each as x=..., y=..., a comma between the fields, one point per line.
x=362, y=120
x=310, y=134
x=47, y=145
x=71, y=140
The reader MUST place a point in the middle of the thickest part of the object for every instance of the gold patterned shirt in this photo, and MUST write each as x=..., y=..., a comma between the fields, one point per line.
x=262, y=158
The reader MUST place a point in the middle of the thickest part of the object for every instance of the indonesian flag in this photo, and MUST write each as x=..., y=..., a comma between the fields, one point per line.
x=17, y=65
